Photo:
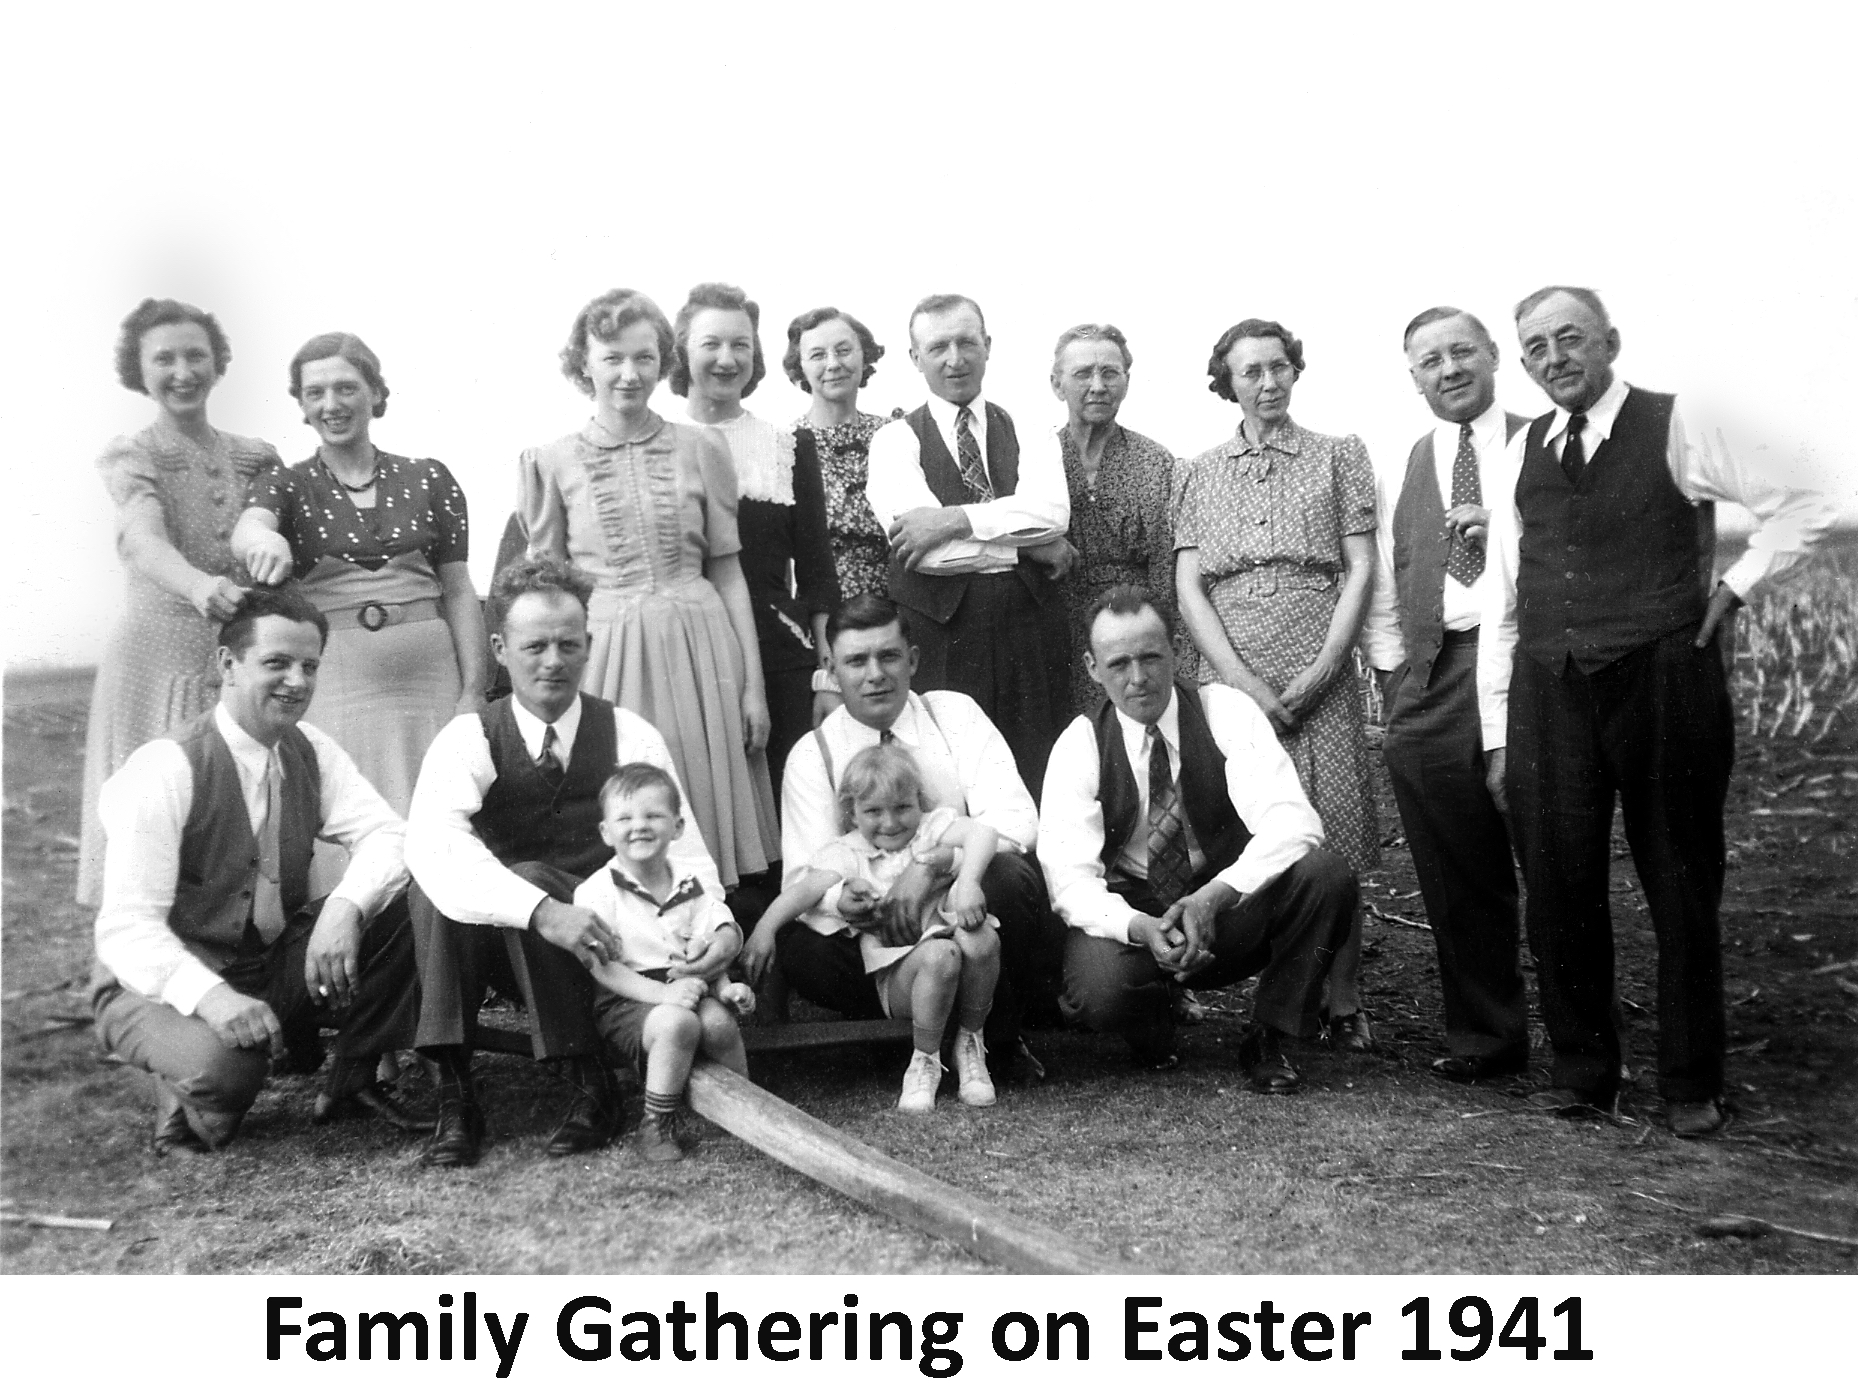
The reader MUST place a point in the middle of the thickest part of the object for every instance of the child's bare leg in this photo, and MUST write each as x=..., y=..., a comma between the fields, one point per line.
x=923, y=988
x=980, y=973
x=670, y=1038
x=722, y=1040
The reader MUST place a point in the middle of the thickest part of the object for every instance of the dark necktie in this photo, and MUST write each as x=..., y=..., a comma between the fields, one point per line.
x=968, y=457
x=549, y=760
x=1169, y=869
x=886, y=736
x=1466, y=560
x=1574, y=451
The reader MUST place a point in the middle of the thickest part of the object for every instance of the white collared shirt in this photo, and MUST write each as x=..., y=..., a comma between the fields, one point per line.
x=144, y=807
x=652, y=936
x=1260, y=781
x=1789, y=521
x=452, y=864
x=1037, y=511
x=1381, y=637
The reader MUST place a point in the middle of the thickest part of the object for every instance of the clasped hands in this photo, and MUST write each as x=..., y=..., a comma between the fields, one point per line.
x=1181, y=939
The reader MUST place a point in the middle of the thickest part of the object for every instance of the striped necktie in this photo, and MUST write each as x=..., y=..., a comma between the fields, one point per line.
x=968, y=457
x=1169, y=869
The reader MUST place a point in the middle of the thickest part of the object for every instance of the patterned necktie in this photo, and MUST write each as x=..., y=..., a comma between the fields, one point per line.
x=1574, y=451
x=268, y=896
x=549, y=761
x=1169, y=869
x=1466, y=560
x=886, y=736
x=968, y=457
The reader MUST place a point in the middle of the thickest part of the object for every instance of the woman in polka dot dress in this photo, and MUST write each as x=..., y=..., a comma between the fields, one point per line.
x=380, y=543
x=177, y=485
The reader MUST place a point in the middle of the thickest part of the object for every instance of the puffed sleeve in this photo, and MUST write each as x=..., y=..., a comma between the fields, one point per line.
x=448, y=515
x=251, y=456
x=816, y=576
x=717, y=472
x=1354, y=488
x=1185, y=506
x=133, y=478
x=541, y=510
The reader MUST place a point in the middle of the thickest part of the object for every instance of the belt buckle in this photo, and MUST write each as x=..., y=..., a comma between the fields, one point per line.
x=373, y=617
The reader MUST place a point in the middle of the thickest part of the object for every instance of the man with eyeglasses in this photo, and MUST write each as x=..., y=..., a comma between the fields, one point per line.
x=1601, y=674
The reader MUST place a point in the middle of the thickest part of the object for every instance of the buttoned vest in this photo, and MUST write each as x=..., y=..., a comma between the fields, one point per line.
x=1215, y=823
x=524, y=817
x=939, y=596
x=1619, y=559
x=1420, y=550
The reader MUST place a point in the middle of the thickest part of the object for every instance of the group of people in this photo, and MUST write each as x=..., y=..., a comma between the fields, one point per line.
x=1056, y=731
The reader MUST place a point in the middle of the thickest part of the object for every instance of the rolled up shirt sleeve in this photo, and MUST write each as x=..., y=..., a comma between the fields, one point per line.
x=1265, y=791
x=1071, y=838
x=357, y=818
x=447, y=858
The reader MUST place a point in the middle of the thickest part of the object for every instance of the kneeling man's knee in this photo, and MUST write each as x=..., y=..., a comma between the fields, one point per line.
x=221, y=1079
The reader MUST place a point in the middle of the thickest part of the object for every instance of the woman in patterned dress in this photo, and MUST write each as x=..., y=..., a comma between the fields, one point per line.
x=648, y=509
x=1122, y=522
x=781, y=510
x=178, y=485
x=831, y=355
x=1274, y=532
x=380, y=543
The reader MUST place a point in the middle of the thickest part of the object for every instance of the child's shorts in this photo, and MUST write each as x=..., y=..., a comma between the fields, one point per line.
x=621, y=1022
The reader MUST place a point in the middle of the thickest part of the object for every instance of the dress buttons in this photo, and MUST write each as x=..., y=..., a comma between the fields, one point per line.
x=1568, y=575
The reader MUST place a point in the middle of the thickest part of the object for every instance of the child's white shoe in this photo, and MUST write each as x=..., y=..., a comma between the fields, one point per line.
x=920, y=1079
x=976, y=1087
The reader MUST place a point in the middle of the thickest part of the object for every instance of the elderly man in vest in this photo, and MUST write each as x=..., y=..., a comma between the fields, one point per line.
x=1421, y=637
x=504, y=824
x=977, y=538
x=209, y=950
x=1177, y=842
x=1601, y=676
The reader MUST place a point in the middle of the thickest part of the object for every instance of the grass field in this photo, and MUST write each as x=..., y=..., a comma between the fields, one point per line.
x=1375, y=1167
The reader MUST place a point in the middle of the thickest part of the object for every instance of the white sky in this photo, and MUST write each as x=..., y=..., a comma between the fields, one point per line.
x=453, y=189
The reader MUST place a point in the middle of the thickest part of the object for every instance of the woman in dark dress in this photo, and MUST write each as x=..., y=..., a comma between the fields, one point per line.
x=786, y=558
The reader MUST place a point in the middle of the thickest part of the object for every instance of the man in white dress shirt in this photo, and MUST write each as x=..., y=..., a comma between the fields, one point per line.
x=1601, y=675
x=1421, y=637
x=977, y=538
x=210, y=953
x=504, y=825
x=965, y=764
x=1177, y=842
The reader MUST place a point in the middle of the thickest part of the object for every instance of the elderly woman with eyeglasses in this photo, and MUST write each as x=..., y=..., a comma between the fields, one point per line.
x=1274, y=544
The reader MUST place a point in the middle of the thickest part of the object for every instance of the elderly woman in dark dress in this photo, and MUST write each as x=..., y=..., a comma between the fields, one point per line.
x=1122, y=522
x=178, y=485
x=1274, y=532
x=831, y=355
x=786, y=558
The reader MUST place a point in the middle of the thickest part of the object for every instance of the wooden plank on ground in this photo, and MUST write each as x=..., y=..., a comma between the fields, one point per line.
x=827, y=1033
x=885, y=1184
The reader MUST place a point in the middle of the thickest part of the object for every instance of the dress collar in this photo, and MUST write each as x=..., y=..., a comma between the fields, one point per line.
x=597, y=434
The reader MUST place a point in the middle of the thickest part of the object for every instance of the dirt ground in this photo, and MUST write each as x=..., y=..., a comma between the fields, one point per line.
x=1375, y=1167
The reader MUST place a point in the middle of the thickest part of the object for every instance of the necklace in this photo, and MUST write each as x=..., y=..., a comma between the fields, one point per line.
x=368, y=484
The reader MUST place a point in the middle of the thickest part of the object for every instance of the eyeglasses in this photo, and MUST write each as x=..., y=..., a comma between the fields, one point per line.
x=1280, y=372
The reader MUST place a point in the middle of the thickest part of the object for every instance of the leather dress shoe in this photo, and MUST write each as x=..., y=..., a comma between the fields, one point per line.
x=173, y=1135
x=1266, y=1067
x=593, y=1119
x=459, y=1137
x=1694, y=1119
x=1350, y=1032
x=373, y=1099
x=1480, y=1066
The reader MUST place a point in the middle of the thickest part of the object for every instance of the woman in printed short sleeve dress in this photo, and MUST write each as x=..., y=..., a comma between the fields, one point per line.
x=178, y=485
x=1274, y=539
x=648, y=509
x=380, y=543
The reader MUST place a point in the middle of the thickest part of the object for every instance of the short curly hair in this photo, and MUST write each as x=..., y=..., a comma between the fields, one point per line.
x=818, y=317
x=151, y=313
x=604, y=319
x=1092, y=331
x=1220, y=374
x=726, y=298
x=527, y=575
x=350, y=348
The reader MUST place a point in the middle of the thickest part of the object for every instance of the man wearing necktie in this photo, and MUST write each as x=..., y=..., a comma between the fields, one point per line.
x=977, y=538
x=1177, y=842
x=209, y=950
x=503, y=826
x=1601, y=675
x=1421, y=635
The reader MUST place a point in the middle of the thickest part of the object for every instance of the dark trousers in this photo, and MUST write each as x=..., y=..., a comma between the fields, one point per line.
x=1461, y=851
x=458, y=962
x=219, y=1083
x=790, y=715
x=1009, y=653
x=829, y=970
x=1286, y=934
x=1655, y=730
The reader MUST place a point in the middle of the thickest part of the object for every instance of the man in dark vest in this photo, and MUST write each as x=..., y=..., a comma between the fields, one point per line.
x=210, y=952
x=503, y=826
x=1421, y=637
x=1601, y=675
x=977, y=538
x=1177, y=842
